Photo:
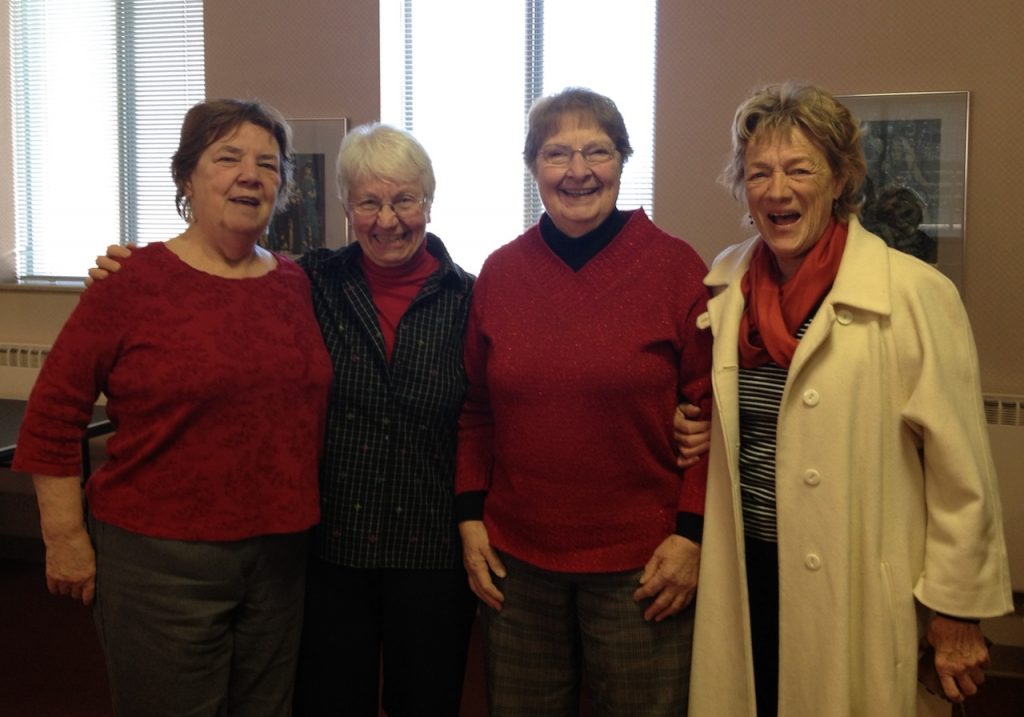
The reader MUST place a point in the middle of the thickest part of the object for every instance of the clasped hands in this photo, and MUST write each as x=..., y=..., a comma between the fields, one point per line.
x=669, y=578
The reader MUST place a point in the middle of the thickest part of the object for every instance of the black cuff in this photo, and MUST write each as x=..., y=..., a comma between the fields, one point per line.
x=971, y=620
x=469, y=506
x=690, y=525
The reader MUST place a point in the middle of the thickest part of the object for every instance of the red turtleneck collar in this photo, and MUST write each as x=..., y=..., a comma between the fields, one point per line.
x=393, y=288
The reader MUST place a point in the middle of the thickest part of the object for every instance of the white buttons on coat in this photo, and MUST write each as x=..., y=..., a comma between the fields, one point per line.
x=844, y=317
x=812, y=561
x=811, y=397
x=812, y=477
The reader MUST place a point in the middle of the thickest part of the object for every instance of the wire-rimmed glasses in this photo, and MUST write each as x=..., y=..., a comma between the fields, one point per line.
x=404, y=206
x=560, y=155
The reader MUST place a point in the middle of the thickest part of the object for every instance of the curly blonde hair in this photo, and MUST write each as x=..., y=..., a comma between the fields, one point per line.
x=826, y=122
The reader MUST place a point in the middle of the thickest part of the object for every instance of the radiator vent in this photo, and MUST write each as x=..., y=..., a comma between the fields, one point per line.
x=1004, y=410
x=23, y=355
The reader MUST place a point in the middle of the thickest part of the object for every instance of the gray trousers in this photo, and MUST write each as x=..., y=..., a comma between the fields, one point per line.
x=194, y=629
x=556, y=630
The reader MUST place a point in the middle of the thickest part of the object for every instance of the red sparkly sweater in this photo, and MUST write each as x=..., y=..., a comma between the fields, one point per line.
x=217, y=389
x=573, y=381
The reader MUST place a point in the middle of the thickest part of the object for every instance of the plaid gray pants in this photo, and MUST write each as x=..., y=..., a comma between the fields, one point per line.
x=558, y=630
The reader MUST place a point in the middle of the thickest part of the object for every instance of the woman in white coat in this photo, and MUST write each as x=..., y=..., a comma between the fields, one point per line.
x=852, y=515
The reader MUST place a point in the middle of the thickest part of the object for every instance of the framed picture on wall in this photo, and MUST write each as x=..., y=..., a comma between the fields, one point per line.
x=915, y=145
x=316, y=217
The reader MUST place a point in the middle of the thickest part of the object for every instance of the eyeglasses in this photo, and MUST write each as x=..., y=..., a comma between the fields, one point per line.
x=404, y=207
x=560, y=155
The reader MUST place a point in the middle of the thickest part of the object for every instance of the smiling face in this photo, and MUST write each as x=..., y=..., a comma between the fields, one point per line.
x=388, y=238
x=233, y=188
x=790, y=189
x=578, y=196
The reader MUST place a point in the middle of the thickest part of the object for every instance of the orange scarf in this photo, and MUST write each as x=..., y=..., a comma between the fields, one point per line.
x=774, y=310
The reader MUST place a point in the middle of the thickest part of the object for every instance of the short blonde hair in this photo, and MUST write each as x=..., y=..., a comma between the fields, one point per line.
x=826, y=122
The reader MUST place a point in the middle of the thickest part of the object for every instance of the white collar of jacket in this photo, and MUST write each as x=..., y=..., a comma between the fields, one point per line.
x=862, y=282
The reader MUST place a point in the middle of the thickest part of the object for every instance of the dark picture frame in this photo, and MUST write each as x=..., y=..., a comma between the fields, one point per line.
x=316, y=217
x=915, y=145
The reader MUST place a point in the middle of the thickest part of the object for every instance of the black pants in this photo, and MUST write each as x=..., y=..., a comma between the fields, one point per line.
x=763, y=596
x=414, y=623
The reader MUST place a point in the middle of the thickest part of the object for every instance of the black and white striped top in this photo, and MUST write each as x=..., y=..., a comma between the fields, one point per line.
x=760, y=397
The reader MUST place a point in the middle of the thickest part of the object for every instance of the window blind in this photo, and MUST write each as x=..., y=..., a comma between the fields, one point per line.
x=465, y=95
x=99, y=90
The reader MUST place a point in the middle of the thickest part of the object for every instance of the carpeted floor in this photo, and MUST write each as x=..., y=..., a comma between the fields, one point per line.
x=50, y=663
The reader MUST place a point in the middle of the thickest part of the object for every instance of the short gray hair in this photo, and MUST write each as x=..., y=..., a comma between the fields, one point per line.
x=379, y=151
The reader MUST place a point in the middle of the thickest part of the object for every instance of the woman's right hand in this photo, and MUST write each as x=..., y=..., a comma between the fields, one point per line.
x=692, y=437
x=107, y=265
x=70, y=558
x=71, y=566
x=480, y=560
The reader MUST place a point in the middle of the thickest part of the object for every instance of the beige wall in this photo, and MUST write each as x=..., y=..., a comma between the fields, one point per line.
x=319, y=58
x=710, y=55
x=311, y=59
x=34, y=316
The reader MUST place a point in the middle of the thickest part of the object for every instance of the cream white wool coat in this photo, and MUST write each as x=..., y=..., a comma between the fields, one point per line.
x=886, y=493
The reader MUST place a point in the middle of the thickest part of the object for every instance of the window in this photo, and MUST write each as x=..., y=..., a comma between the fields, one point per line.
x=99, y=89
x=464, y=86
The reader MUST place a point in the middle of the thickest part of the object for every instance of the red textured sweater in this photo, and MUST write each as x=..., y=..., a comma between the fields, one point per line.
x=217, y=389
x=573, y=381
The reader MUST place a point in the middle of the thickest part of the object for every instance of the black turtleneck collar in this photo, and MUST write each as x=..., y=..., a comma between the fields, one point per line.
x=577, y=251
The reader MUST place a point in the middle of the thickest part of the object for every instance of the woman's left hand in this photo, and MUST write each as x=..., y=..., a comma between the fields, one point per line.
x=960, y=656
x=480, y=561
x=670, y=577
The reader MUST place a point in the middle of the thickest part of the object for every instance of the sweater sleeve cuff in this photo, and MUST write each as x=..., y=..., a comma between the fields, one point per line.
x=690, y=525
x=971, y=620
x=470, y=505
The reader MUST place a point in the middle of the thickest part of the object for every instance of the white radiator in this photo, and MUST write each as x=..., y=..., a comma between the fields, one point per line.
x=1005, y=416
x=19, y=366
